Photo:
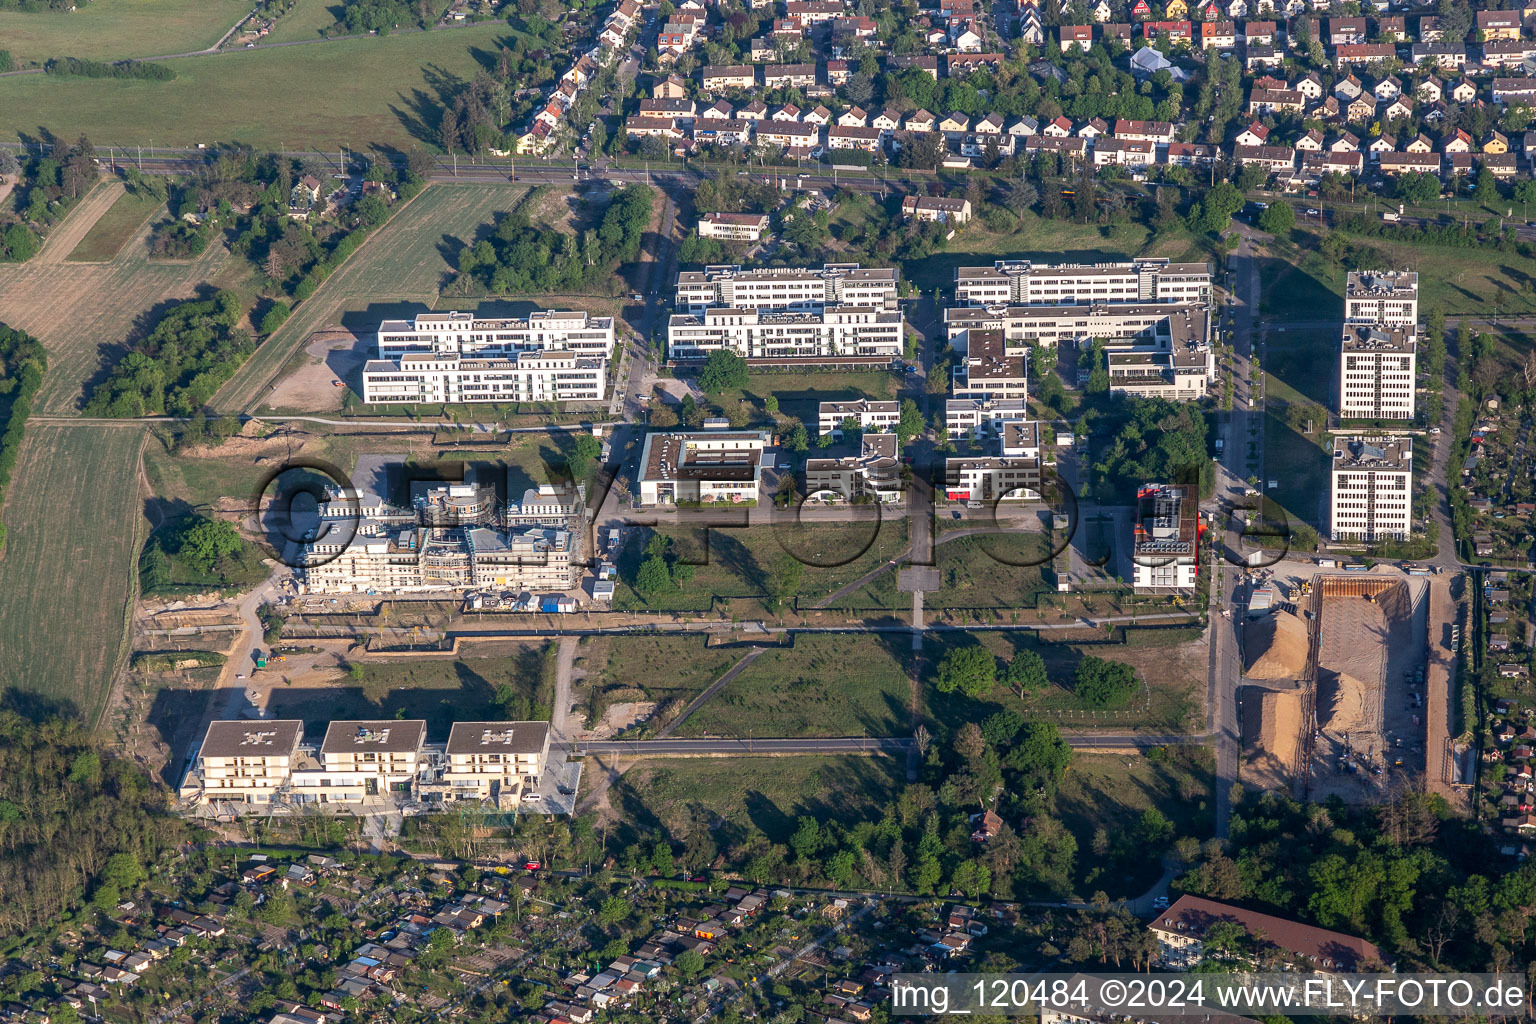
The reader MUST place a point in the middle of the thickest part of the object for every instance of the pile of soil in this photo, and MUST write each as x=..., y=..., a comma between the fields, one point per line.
x=1272, y=722
x=1276, y=647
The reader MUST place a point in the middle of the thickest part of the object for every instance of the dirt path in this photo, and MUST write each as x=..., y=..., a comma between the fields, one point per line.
x=558, y=716
x=63, y=239
x=1439, y=768
x=709, y=692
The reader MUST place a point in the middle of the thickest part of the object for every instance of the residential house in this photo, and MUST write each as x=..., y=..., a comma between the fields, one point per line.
x=1181, y=929
x=1076, y=37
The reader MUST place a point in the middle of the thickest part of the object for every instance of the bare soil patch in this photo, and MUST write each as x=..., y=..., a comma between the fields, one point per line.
x=333, y=355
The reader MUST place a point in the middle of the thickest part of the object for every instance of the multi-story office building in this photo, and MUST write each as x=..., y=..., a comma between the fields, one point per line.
x=873, y=416
x=1014, y=474
x=986, y=370
x=454, y=537
x=1172, y=359
x=548, y=356
x=1165, y=546
x=244, y=762
x=702, y=466
x=981, y=418
x=1022, y=282
x=497, y=761
x=734, y=227
x=865, y=332
x=805, y=289
x=1372, y=492
x=1023, y=326
x=552, y=376
x=874, y=473
x=1377, y=368
x=1382, y=297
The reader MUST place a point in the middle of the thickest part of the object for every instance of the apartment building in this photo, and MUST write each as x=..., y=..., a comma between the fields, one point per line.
x=835, y=332
x=1377, y=369
x=243, y=762
x=360, y=759
x=936, y=208
x=786, y=288
x=1014, y=474
x=1371, y=497
x=1382, y=297
x=549, y=356
x=1165, y=542
x=702, y=466
x=1172, y=359
x=455, y=537
x=733, y=227
x=1023, y=282
x=496, y=761
x=873, y=416
x=1181, y=930
x=873, y=474
x=985, y=369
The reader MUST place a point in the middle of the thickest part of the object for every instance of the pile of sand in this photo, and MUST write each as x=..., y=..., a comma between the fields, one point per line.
x=1276, y=647
x=1341, y=703
x=1272, y=723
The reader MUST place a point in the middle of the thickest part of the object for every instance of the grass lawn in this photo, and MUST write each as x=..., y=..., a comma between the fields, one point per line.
x=822, y=686
x=110, y=233
x=1112, y=791
x=304, y=21
x=357, y=92
x=397, y=273
x=440, y=690
x=801, y=394
x=118, y=29
x=65, y=594
x=1171, y=665
x=623, y=669
x=1055, y=241
x=1299, y=468
x=1298, y=284
x=735, y=563
x=766, y=793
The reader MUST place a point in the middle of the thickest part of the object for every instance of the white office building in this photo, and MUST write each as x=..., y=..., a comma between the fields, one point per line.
x=1165, y=547
x=873, y=474
x=1013, y=474
x=873, y=416
x=1377, y=369
x=709, y=466
x=1372, y=492
x=549, y=356
x=805, y=289
x=1023, y=282
x=833, y=332
x=1382, y=297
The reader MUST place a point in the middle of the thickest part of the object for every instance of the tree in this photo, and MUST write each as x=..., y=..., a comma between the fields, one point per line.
x=652, y=577
x=1021, y=196
x=910, y=424
x=613, y=910
x=1026, y=672
x=584, y=456
x=1102, y=683
x=723, y=370
x=1278, y=219
x=785, y=575
x=972, y=670
x=207, y=541
x=689, y=963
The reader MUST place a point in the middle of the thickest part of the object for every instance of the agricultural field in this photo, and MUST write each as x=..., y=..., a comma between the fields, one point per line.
x=84, y=312
x=118, y=29
x=397, y=273
x=115, y=228
x=303, y=21
x=66, y=590
x=357, y=92
x=685, y=794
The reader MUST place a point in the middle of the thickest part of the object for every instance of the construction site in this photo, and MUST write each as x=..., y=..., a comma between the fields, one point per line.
x=1333, y=701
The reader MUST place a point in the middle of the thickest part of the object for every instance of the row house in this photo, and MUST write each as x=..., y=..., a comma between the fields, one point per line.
x=789, y=134
x=806, y=13
x=789, y=76
x=1191, y=154
x=852, y=137
x=1173, y=32
x=1345, y=31
x=728, y=76
x=1074, y=148
x=1515, y=90
x=1363, y=53
x=1273, y=159
x=961, y=64
x=1507, y=53
x=1257, y=56
x=1133, y=153
x=1275, y=101
x=1160, y=132
x=1394, y=164
x=1315, y=165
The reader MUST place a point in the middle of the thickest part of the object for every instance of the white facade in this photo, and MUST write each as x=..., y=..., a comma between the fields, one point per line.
x=1372, y=489
x=701, y=466
x=549, y=356
x=874, y=417
x=1021, y=282
x=835, y=331
x=735, y=227
x=1165, y=549
x=979, y=418
x=494, y=760
x=1014, y=474
x=1382, y=297
x=244, y=762
x=873, y=474
x=787, y=288
x=1377, y=369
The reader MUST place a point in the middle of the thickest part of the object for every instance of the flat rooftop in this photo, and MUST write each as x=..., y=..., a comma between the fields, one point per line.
x=675, y=456
x=258, y=738
x=1364, y=453
x=1377, y=338
x=384, y=736
x=1381, y=283
x=497, y=737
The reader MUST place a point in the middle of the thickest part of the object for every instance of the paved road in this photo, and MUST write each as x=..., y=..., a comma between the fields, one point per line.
x=841, y=745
